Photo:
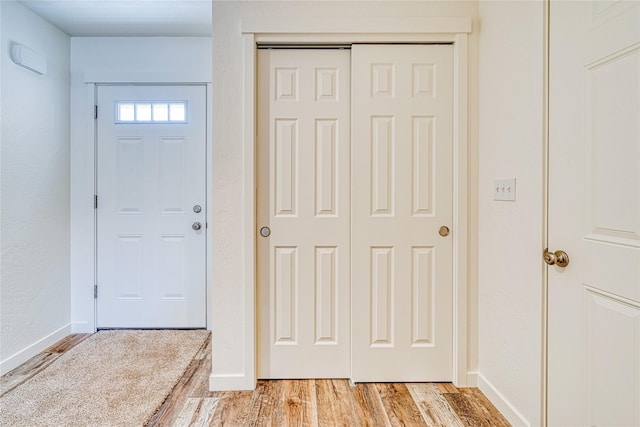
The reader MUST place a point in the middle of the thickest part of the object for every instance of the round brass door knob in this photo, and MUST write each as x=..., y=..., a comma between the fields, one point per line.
x=444, y=231
x=559, y=258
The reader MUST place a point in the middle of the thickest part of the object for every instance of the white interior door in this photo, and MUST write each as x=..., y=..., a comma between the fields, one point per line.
x=354, y=262
x=303, y=198
x=402, y=195
x=150, y=182
x=594, y=214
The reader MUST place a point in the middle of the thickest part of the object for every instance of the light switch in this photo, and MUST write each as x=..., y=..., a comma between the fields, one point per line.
x=504, y=189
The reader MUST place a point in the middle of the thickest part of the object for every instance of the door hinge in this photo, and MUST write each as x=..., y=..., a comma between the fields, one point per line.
x=95, y=201
x=95, y=291
x=95, y=111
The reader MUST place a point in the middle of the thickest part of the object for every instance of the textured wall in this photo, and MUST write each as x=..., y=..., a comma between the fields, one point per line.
x=34, y=292
x=510, y=238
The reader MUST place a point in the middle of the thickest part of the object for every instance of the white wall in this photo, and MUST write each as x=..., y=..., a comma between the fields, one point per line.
x=510, y=239
x=34, y=291
x=113, y=60
x=233, y=227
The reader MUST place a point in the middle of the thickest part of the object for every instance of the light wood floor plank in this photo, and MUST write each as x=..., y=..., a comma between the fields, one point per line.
x=484, y=408
x=329, y=404
x=367, y=407
x=233, y=409
x=205, y=350
x=433, y=406
x=187, y=413
x=67, y=343
x=465, y=411
x=400, y=406
x=447, y=388
x=300, y=403
x=340, y=404
x=205, y=411
x=471, y=411
x=266, y=403
x=170, y=408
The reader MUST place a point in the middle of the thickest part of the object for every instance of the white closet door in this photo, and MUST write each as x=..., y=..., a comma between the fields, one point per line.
x=401, y=197
x=303, y=198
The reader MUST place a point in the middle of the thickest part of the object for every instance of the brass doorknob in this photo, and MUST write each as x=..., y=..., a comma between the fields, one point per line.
x=444, y=231
x=559, y=258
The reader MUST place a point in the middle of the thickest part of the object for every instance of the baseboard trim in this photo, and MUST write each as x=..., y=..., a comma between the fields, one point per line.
x=237, y=382
x=12, y=362
x=472, y=379
x=82, y=328
x=501, y=403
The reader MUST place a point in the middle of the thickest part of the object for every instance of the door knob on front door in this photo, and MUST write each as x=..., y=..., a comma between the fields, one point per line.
x=559, y=258
x=196, y=226
x=444, y=231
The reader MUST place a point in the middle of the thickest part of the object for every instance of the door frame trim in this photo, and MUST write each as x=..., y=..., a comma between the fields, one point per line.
x=546, y=75
x=353, y=30
x=90, y=245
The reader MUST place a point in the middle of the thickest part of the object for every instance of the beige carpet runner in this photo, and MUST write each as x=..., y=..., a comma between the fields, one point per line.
x=113, y=378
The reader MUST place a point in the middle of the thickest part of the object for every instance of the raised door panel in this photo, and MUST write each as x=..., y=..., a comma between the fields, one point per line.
x=326, y=179
x=382, y=294
x=326, y=295
x=382, y=165
x=172, y=175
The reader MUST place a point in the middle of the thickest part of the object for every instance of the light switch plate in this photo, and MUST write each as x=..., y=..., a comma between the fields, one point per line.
x=504, y=189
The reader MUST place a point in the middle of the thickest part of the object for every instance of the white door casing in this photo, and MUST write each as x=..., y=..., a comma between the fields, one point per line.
x=235, y=366
x=151, y=263
x=402, y=293
x=303, y=197
x=594, y=214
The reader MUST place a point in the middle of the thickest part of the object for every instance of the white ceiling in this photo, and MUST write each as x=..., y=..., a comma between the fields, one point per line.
x=98, y=18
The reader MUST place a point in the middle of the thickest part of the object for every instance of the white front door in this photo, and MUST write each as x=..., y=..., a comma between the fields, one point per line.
x=402, y=195
x=151, y=206
x=594, y=214
x=303, y=198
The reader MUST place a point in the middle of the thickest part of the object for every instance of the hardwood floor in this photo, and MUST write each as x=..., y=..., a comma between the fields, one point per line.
x=298, y=402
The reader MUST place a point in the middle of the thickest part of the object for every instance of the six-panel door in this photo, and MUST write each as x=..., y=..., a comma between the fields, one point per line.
x=401, y=196
x=303, y=197
x=150, y=177
x=354, y=279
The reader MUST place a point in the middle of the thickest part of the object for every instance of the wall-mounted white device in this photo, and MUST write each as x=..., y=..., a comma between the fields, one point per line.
x=29, y=59
x=504, y=189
